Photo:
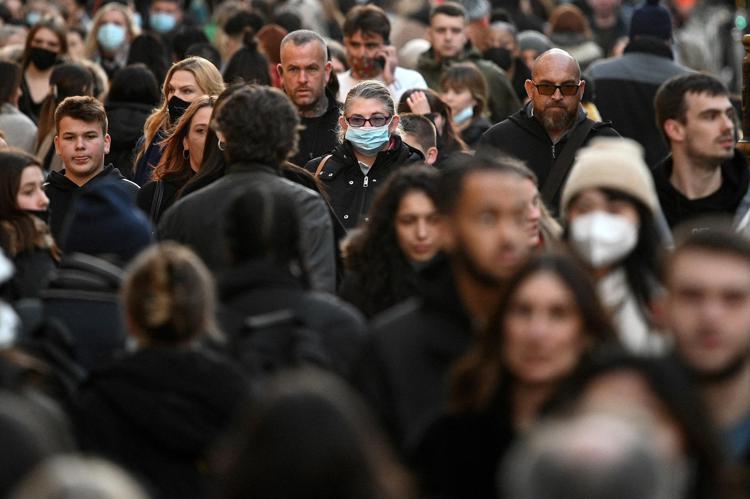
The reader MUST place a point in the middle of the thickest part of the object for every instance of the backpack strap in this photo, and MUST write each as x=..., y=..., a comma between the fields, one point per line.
x=564, y=162
x=322, y=165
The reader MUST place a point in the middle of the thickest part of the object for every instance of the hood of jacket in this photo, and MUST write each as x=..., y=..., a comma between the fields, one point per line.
x=126, y=120
x=180, y=398
x=59, y=181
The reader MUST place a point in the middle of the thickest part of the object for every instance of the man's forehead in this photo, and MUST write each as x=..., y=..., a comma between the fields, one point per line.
x=555, y=67
x=709, y=268
x=487, y=183
x=698, y=101
x=361, y=36
x=445, y=19
x=312, y=51
x=73, y=125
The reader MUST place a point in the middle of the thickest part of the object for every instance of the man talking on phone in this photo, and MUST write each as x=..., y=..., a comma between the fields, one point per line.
x=370, y=55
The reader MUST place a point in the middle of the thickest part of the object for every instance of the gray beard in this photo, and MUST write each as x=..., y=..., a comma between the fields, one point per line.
x=558, y=121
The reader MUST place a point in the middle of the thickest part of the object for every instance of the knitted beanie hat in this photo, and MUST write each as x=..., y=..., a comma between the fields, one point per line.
x=651, y=19
x=105, y=221
x=611, y=163
x=533, y=40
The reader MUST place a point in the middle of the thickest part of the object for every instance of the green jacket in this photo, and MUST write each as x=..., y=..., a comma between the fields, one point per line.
x=503, y=100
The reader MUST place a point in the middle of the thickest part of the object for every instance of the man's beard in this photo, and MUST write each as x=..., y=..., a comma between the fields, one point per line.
x=724, y=373
x=479, y=275
x=557, y=118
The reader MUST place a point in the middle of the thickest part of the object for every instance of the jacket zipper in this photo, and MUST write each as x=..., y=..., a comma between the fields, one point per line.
x=553, y=152
x=366, y=182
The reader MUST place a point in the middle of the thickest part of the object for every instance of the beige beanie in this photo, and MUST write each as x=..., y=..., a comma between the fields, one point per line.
x=611, y=163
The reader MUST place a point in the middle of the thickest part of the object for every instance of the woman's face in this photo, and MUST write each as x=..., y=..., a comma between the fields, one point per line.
x=76, y=49
x=31, y=195
x=458, y=100
x=543, y=335
x=417, y=227
x=46, y=39
x=592, y=200
x=368, y=108
x=534, y=212
x=195, y=140
x=114, y=17
x=184, y=85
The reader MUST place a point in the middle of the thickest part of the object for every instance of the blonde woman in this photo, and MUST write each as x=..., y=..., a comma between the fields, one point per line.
x=109, y=39
x=181, y=158
x=186, y=80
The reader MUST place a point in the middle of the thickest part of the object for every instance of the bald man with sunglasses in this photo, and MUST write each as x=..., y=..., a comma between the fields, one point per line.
x=548, y=131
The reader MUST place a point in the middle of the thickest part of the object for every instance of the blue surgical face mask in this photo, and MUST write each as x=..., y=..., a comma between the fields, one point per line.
x=463, y=115
x=163, y=22
x=32, y=18
x=368, y=140
x=138, y=20
x=111, y=36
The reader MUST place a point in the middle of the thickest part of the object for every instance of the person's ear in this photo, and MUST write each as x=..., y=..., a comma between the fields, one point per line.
x=674, y=130
x=342, y=123
x=107, y=143
x=581, y=90
x=328, y=68
x=394, y=124
x=57, y=145
x=185, y=144
x=280, y=70
x=432, y=155
x=529, y=87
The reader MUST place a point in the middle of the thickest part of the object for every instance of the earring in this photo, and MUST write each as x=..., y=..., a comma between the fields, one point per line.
x=221, y=145
x=186, y=153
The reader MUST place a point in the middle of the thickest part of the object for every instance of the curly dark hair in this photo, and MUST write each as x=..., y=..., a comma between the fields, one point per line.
x=386, y=275
x=259, y=124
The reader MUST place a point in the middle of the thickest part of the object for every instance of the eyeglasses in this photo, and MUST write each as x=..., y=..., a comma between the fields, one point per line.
x=359, y=121
x=566, y=89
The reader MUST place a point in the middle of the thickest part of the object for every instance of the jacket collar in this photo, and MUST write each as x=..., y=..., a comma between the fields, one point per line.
x=253, y=167
x=649, y=45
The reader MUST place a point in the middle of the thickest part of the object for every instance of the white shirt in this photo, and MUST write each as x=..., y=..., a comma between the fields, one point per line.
x=403, y=80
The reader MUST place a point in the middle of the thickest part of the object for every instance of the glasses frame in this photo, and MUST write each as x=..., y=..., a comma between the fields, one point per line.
x=367, y=120
x=558, y=87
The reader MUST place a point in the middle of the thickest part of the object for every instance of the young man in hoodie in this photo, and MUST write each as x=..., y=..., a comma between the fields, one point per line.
x=81, y=142
x=704, y=174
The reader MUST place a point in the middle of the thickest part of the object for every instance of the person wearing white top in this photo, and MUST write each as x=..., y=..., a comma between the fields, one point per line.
x=370, y=55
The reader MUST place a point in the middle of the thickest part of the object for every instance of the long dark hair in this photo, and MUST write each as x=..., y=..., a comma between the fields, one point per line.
x=20, y=230
x=477, y=376
x=248, y=65
x=644, y=266
x=671, y=385
x=374, y=253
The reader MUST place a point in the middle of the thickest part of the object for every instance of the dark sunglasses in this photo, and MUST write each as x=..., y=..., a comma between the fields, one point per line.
x=567, y=89
x=359, y=121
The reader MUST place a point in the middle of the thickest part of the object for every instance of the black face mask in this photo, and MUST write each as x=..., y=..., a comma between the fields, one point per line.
x=176, y=108
x=42, y=58
x=500, y=56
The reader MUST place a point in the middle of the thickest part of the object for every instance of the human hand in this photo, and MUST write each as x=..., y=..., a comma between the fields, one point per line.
x=418, y=103
x=388, y=54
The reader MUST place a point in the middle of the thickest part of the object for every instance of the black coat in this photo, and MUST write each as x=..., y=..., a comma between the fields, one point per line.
x=404, y=366
x=258, y=288
x=83, y=294
x=198, y=220
x=350, y=191
x=524, y=137
x=61, y=192
x=318, y=137
x=32, y=268
x=158, y=411
x=126, y=120
x=146, y=200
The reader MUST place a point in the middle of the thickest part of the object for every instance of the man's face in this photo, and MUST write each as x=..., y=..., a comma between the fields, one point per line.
x=708, y=309
x=556, y=112
x=167, y=7
x=82, y=146
x=304, y=73
x=486, y=234
x=707, y=133
x=447, y=36
x=362, y=51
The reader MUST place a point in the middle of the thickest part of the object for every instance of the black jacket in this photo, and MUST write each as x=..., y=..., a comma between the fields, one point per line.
x=731, y=200
x=625, y=90
x=83, y=294
x=198, y=220
x=158, y=411
x=259, y=287
x=147, y=197
x=318, y=137
x=61, y=192
x=404, y=367
x=351, y=192
x=524, y=137
x=126, y=121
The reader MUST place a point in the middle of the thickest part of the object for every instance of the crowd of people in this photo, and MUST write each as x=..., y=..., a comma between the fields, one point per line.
x=377, y=250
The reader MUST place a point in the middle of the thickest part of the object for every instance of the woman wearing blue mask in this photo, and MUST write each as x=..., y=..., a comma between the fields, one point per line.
x=109, y=39
x=464, y=88
x=368, y=152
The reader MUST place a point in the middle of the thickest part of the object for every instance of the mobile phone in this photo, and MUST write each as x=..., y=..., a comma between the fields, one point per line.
x=380, y=61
